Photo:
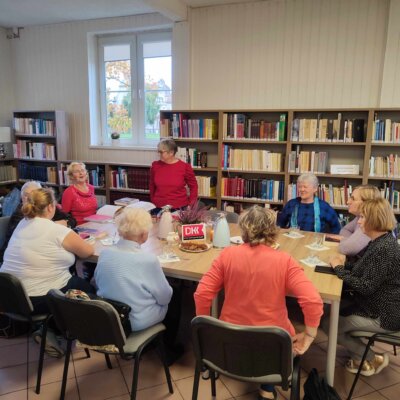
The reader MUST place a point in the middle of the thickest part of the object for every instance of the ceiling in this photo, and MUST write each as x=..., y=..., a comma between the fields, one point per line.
x=23, y=13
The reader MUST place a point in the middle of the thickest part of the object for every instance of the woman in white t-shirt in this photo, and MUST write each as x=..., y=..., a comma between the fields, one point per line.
x=40, y=252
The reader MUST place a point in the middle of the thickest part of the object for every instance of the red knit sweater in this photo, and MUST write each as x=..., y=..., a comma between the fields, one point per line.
x=78, y=203
x=256, y=281
x=168, y=184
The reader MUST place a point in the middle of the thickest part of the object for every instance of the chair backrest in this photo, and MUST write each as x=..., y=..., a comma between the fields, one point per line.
x=93, y=322
x=231, y=217
x=3, y=229
x=14, y=300
x=255, y=354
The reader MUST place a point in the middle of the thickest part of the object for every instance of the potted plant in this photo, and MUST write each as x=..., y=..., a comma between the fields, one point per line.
x=115, y=138
x=192, y=214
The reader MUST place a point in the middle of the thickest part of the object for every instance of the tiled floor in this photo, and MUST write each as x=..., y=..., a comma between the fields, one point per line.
x=89, y=379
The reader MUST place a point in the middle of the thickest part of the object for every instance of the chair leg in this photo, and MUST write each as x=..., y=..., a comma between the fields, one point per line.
x=108, y=361
x=41, y=356
x=65, y=372
x=196, y=381
x=369, y=344
x=135, y=377
x=87, y=352
x=213, y=388
x=394, y=350
x=161, y=349
x=295, y=384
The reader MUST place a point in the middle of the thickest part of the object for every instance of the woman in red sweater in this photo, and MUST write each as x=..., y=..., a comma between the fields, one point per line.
x=169, y=178
x=79, y=198
x=269, y=276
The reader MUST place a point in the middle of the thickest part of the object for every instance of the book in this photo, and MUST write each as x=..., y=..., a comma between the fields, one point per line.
x=104, y=214
x=146, y=205
x=124, y=201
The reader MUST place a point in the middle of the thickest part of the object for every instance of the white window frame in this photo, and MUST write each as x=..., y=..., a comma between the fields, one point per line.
x=136, y=41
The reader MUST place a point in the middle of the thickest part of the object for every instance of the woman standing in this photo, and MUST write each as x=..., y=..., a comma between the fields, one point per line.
x=79, y=198
x=307, y=212
x=270, y=275
x=170, y=177
x=373, y=283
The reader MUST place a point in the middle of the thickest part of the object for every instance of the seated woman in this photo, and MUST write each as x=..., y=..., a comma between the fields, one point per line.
x=40, y=253
x=353, y=239
x=169, y=178
x=373, y=287
x=125, y=273
x=270, y=275
x=60, y=217
x=308, y=212
x=79, y=198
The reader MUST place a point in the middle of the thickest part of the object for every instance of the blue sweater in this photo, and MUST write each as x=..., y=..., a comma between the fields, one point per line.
x=305, y=216
x=127, y=274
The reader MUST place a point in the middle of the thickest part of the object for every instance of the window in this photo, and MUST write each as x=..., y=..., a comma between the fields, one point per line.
x=135, y=84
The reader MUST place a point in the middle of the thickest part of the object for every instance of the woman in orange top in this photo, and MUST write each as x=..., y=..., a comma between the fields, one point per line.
x=270, y=275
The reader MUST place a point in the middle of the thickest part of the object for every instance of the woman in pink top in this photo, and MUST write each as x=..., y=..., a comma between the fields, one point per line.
x=79, y=198
x=256, y=279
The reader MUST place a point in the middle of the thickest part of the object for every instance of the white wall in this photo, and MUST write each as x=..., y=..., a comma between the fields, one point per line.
x=267, y=54
x=51, y=67
x=6, y=80
x=289, y=54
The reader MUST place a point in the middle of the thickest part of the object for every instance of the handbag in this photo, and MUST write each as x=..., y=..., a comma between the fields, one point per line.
x=316, y=388
x=123, y=311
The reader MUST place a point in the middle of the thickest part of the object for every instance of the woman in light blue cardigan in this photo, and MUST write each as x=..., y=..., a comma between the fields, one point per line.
x=125, y=273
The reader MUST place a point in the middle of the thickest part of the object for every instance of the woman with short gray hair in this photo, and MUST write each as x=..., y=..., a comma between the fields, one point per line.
x=169, y=178
x=307, y=211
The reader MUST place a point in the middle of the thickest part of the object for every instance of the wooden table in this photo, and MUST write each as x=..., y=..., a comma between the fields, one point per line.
x=192, y=266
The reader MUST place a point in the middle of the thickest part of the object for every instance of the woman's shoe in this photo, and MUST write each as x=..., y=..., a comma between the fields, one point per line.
x=367, y=369
x=52, y=347
x=205, y=374
x=380, y=361
x=264, y=395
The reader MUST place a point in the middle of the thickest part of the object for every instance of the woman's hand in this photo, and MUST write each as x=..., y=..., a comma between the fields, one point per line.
x=338, y=259
x=301, y=342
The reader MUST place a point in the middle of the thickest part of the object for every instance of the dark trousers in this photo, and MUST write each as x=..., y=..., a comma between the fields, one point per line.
x=173, y=317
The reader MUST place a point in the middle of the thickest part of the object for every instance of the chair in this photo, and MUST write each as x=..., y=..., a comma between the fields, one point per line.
x=96, y=323
x=246, y=353
x=392, y=338
x=3, y=229
x=15, y=303
x=231, y=217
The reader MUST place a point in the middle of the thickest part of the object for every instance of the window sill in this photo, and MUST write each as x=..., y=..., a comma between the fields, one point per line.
x=132, y=148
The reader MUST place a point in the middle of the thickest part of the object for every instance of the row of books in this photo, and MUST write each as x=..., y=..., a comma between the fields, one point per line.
x=194, y=157
x=260, y=189
x=40, y=173
x=387, y=166
x=251, y=160
x=336, y=196
x=130, y=178
x=34, y=126
x=308, y=161
x=239, y=126
x=180, y=126
x=328, y=130
x=207, y=185
x=34, y=150
x=96, y=176
x=8, y=173
x=386, y=131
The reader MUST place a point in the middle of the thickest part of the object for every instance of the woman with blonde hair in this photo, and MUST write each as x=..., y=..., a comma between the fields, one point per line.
x=269, y=275
x=40, y=253
x=373, y=282
x=353, y=240
x=79, y=198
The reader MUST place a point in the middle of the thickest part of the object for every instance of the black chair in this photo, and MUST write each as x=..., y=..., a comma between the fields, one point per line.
x=246, y=353
x=96, y=323
x=15, y=304
x=3, y=229
x=392, y=338
x=231, y=217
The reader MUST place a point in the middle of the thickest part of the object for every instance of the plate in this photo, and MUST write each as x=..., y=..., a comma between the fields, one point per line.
x=236, y=240
x=195, y=251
